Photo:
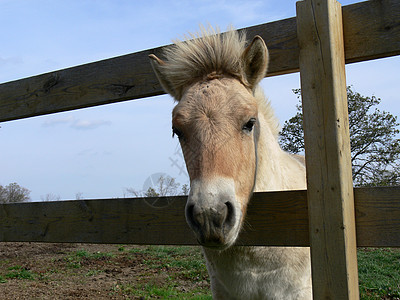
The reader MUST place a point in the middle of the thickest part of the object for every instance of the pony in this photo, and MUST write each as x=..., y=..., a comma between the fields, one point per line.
x=229, y=138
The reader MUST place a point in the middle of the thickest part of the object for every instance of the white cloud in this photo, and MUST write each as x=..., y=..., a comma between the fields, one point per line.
x=58, y=121
x=75, y=123
x=15, y=60
x=89, y=124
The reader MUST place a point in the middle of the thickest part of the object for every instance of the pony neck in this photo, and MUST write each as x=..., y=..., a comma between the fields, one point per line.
x=276, y=169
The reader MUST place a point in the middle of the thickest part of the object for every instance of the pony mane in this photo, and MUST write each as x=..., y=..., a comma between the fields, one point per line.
x=265, y=107
x=206, y=52
x=211, y=53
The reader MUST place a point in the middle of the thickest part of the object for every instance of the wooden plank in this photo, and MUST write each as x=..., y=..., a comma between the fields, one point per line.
x=123, y=221
x=276, y=219
x=327, y=148
x=108, y=81
x=371, y=30
x=273, y=219
x=377, y=216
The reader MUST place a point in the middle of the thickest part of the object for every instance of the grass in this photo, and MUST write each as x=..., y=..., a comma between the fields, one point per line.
x=188, y=261
x=177, y=264
x=75, y=259
x=18, y=272
x=379, y=273
x=93, y=256
x=154, y=290
x=171, y=264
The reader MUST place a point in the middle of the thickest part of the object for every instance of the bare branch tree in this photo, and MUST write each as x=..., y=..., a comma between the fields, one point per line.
x=164, y=186
x=14, y=193
x=50, y=197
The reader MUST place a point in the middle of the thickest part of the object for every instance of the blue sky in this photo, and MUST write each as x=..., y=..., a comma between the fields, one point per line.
x=98, y=152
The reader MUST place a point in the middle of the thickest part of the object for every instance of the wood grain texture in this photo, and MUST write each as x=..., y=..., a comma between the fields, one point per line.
x=327, y=148
x=97, y=221
x=112, y=80
x=371, y=30
x=377, y=216
x=273, y=219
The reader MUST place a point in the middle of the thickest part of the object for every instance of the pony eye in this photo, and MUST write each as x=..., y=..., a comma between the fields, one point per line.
x=248, y=127
x=176, y=132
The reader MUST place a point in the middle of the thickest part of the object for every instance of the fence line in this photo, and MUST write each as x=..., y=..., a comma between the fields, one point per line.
x=273, y=219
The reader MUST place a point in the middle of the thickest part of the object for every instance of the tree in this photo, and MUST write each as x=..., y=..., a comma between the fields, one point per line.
x=185, y=189
x=50, y=197
x=165, y=186
x=13, y=193
x=374, y=142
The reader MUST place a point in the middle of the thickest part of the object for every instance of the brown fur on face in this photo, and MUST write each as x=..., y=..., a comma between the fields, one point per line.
x=211, y=116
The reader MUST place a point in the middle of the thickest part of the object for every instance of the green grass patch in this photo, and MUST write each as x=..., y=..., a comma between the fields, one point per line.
x=74, y=260
x=152, y=291
x=179, y=264
x=18, y=272
x=379, y=273
x=73, y=263
x=95, y=255
x=187, y=262
x=93, y=273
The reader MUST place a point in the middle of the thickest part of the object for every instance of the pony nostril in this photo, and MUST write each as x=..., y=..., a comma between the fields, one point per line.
x=230, y=217
x=193, y=216
x=223, y=214
x=211, y=222
x=189, y=213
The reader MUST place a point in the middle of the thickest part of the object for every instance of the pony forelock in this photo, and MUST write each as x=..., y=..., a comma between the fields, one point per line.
x=203, y=53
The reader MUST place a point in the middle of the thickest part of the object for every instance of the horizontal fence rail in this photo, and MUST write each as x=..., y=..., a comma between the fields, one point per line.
x=273, y=219
x=371, y=30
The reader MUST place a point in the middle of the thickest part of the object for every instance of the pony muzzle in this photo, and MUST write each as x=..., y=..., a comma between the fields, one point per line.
x=213, y=215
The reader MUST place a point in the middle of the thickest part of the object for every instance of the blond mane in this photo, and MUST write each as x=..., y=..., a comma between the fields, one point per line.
x=212, y=52
x=265, y=107
x=203, y=53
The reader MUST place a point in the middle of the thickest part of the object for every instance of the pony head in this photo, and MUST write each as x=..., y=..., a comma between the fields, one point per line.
x=213, y=77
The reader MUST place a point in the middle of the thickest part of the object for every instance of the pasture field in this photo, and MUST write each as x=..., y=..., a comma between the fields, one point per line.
x=83, y=271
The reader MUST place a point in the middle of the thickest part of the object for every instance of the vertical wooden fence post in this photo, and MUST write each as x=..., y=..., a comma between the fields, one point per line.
x=327, y=145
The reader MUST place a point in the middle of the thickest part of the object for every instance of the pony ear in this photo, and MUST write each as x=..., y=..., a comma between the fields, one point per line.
x=158, y=65
x=255, y=58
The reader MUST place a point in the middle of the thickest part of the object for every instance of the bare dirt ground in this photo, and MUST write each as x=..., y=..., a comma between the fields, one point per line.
x=83, y=271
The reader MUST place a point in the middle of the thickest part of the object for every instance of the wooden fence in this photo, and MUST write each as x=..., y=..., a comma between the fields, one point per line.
x=330, y=216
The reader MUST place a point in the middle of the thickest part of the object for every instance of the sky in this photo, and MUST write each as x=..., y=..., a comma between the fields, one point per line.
x=100, y=152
